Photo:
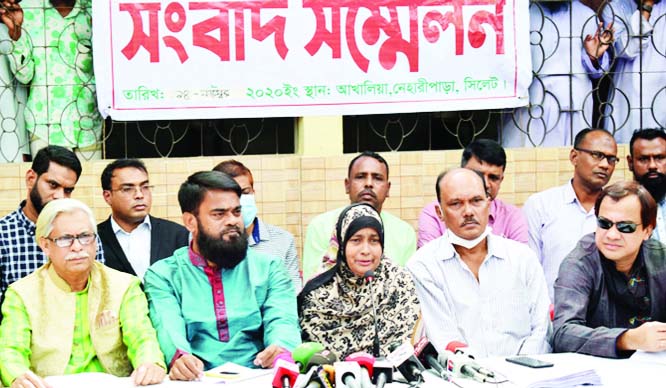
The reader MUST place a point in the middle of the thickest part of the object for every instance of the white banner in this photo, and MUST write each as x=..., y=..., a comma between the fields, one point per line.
x=179, y=59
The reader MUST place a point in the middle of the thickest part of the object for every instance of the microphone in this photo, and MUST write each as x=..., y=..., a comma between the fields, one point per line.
x=286, y=373
x=382, y=372
x=316, y=377
x=402, y=357
x=369, y=278
x=427, y=354
x=461, y=348
x=366, y=361
x=303, y=352
x=347, y=374
x=318, y=373
x=462, y=366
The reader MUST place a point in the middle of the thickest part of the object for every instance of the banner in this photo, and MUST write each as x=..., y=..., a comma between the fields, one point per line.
x=179, y=59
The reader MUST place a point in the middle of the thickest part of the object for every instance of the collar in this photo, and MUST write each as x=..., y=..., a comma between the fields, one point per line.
x=493, y=210
x=117, y=229
x=568, y=193
x=23, y=219
x=61, y=283
x=496, y=248
x=196, y=259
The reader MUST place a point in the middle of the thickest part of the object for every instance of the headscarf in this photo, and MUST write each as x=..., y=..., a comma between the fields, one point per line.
x=335, y=308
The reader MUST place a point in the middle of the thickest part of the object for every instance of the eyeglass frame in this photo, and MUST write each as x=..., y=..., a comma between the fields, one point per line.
x=132, y=189
x=599, y=156
x=60, y=240
x=619, y=225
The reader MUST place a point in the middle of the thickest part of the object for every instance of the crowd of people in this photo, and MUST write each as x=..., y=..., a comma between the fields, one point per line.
x=579, y=268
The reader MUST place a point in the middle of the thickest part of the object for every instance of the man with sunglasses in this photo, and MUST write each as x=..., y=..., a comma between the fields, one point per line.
x=558, y=217
x=132, y=238
x=73, y=314
x=647, y=160
x=610, y=295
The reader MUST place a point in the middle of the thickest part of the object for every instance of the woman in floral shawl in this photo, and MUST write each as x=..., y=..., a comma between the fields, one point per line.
x=335, y=308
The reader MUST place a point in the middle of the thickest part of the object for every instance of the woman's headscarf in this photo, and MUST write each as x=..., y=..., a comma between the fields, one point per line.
x=335, y=308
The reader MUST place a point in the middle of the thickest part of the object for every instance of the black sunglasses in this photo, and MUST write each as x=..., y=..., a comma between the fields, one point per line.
x=622, y=226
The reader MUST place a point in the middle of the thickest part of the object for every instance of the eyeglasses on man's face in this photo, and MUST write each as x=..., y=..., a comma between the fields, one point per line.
x=67, y=240
x=622, y=226
x=599, y=156
x=131, y=189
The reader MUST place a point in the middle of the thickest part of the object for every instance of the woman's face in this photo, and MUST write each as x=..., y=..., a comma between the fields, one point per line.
x=363, y=251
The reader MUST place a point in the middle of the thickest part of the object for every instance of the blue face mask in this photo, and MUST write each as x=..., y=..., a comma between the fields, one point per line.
x=248, y=209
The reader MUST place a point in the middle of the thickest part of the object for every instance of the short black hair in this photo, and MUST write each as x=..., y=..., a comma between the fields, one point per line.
x=580, y=136
x=621, y=189
x=58, y=155
x=107, y=174
x=193, y=190
x=486, y=150
x=443, y=174
x=645, y=134
x=234, y=168
x=368, y=154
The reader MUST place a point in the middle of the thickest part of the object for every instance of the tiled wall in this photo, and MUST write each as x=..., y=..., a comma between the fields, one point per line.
x=292, y=189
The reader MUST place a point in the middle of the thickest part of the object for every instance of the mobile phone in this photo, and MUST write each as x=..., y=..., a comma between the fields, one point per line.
x=529, y=362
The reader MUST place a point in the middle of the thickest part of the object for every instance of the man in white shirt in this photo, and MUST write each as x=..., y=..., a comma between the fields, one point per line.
x=558, y=217
x=474, y=286
x=133, y=239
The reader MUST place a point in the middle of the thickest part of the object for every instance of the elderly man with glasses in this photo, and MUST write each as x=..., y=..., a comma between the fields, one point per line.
x=558, y=217
x=610, y=295
x=73, y=314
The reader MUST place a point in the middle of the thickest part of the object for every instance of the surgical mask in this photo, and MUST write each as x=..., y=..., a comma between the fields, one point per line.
x=248, y=209
x=468, y=244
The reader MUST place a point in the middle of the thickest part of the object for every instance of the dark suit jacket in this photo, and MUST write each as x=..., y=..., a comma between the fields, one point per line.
x=165, y=237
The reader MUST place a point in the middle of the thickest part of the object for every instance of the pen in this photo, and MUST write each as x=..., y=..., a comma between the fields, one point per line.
x=221, y=374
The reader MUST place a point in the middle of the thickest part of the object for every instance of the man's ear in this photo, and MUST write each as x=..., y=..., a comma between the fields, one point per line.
x=630, y=163
x=573, y=155
x=45, y=246
x=30, y=179
x=190, y=222
x=106, y=194
x=439, y=212
x=347, y=185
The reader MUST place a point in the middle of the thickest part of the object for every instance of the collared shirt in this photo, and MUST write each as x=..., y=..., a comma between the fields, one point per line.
x=505, y=219
x=19, y=253
x=505, y=312
x=259, y=303
x=135, y=245
x=400, y=240
x=589, y=319
x=659, y=232
x=556, y=221
x=274, y=241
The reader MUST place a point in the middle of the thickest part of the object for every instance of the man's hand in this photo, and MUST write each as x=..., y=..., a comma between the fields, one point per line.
x=11, y=14
x=649, y=337
x=29, y=380
x=147, y=374
x=265, y=358
x=186, y=368
x=596, y=46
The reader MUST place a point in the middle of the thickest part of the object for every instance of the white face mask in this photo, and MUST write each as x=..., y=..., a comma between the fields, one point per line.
x=468, y=244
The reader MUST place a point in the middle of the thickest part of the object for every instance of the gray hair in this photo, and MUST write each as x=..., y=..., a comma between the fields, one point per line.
x=55, y=208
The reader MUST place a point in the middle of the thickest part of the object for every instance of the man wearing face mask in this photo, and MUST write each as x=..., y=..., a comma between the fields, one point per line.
x=647, y=160
x=217, y=301
x=262, y=237
x=474, y=286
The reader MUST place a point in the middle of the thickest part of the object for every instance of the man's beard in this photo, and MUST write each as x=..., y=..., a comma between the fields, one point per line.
x=36, y=199
x=656, y=186
x=225, y=254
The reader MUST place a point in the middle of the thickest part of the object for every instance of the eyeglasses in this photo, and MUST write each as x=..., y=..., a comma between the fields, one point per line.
x=599, y=156
x=67, y=240
x=131, y=189
x=622, y=226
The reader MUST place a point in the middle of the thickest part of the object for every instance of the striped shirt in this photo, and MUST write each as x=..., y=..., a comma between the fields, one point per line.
x=505, y=312
x=277, y=242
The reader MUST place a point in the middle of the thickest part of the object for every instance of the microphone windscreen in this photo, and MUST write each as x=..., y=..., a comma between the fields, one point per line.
x=454, y=346
x=369, y=275
x=302, y=353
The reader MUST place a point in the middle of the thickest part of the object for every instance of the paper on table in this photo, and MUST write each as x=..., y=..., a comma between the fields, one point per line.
x=233, y=373
x=87, y=380
x=651, y=357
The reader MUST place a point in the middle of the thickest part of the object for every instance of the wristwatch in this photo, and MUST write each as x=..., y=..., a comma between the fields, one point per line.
x=646, y=8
